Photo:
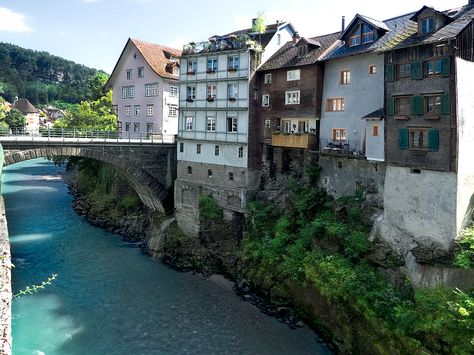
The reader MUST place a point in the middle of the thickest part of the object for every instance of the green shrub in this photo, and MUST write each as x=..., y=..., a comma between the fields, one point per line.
x=209, y=210
x=465, y=257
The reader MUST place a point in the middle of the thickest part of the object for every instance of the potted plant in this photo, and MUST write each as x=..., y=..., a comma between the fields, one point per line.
x=210, y=99
x=232, y=99
x=189, y=99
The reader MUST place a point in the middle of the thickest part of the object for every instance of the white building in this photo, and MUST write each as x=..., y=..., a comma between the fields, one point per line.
x=145, y=89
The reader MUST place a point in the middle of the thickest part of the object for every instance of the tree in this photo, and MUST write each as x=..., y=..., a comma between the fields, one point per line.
x=15, y=119
x=259, y=26
x=97, y=85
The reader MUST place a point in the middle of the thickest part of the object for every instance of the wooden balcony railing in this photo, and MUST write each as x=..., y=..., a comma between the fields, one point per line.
x=294, y=140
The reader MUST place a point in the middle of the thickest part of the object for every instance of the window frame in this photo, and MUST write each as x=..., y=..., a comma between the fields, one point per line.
x=216, y=150
x=211, y=124
x=292, y=101
x=345, y=77
x=404, y=74
x=174, y=91
x=192, y=66
x=293, y=75
x=129, y=74
x=335, y=104
x=188, y=123
x=241, y=152
x=375, y=130
x=136, y=110
x=372, y=69
x=339, y=134
x=397, y=100
x=436, y=70
x=191, y=92
x=150, y=108
x=128, y=110
x=152, y=89
x=140, y=72
x=436, y=104
x=211, y=90
x=232, y=124
x=173, y=111
x=267, y=78
x=233, y=62
x=235, y=92
x=198, y=148
x=212, y=64
x=424, y=138
x=265, y=100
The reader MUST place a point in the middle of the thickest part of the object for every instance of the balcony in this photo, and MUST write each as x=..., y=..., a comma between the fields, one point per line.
x=220, y=44
x=294, y=140
x=349, y=148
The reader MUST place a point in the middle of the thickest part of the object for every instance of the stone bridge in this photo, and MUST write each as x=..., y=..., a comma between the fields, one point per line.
x=149, y=166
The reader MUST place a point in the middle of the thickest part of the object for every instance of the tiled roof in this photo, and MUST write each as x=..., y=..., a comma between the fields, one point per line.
x=287, y=55
x=398, y=28
x=156, y=57
x=462, y=17
x=379, y=113
x=24, y=106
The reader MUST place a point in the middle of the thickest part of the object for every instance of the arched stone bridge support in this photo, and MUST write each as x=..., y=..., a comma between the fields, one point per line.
x=150, y=169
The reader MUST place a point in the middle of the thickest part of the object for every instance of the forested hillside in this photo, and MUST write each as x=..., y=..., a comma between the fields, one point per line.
x=42, y=77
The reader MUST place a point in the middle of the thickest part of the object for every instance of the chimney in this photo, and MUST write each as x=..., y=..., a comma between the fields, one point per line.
x=296, y=37
x=253, y=21
x=343, y=22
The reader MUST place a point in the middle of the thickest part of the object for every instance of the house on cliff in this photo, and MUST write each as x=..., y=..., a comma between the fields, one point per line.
x=219, y=138
x=290, y=86
x=429, y=183
x=145, y=90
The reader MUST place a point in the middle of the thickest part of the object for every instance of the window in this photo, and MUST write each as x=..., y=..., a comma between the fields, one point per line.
x=372, y=69
x=293, y=75
x=339, y=134
x=209, y=173
x=136, y=109
x=173, y=91
x=151, y=90
x=433, y=105
x=128, y=110
x=433, y=67
x=232, y=124
x=267, y=79
x=427, y=25
x=128, y=92
x=302, y=50
x=190, y=170
x=129, y=74
x=198, y=148
x=115, y=109
x=363, y=33
x=403, y=71
x=335, y=104
x=231, y=176
x=292, y=97
x=127, y=126
x=233, y=62
x=189, y=123
x=212, y=65
x=136, y=127
x=345, y=77
x=211, y=124
x=141, y=72
x=279, y=39
x=418, y=138
x=192, y=64
x=181, y=147
x=216, y=150
x=172, y=111
x=175, y=71
x=286, y=124
x=211, y=91
x=375, y=130
x=149, y=110
x=402, y=106
x=232, y=91
x=241, y=152
x=265, y=100
x=191, y=93
x=149, y=127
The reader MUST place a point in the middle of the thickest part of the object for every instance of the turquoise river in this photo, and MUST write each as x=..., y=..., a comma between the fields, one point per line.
x=110, y=298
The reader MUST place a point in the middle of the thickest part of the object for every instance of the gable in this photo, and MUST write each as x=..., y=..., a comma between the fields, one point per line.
x=362, y=30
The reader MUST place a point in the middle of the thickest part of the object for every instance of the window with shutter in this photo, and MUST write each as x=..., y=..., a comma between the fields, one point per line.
x=416, y=70
x=390, y=76
x=417, y=105
x=403, y=138
x=445, y=105
x=445, y=67
x=433, y=140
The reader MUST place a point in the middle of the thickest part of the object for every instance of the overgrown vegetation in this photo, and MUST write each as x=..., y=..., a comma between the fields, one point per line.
x=323, y=243
x=465, y=256
x=209, y=210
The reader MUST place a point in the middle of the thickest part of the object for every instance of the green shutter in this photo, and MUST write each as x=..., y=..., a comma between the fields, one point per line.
x=416, y=105
x=390, y=106
x=433, y=140
x=445, y=67
x=390, y=76
x=416, y=70
x=445, y=105
x=403, y=138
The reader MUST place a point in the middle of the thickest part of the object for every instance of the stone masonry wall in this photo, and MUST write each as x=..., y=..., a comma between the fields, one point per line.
x=5, y=285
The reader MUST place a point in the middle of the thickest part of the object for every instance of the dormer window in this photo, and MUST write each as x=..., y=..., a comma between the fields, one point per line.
x=362, y=34
x=427, y=25
x=302, y=50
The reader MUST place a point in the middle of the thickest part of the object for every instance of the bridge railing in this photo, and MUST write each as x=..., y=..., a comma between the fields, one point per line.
x=82, y=135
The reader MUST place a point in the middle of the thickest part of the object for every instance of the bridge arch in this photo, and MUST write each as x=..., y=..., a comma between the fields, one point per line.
x=151, y=192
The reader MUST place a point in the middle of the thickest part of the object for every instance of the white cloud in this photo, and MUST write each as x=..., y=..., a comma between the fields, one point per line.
x=12, y=21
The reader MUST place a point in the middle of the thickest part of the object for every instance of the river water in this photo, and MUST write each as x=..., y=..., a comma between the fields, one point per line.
x=110, y=298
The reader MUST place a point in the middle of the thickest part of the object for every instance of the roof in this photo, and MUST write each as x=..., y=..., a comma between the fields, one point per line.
x=379, y=113
x=409, y=37
x=266, y=37
x=287, y=55
x=397, y=29
x=376, y=23
x=156, y=56
x=24, y=106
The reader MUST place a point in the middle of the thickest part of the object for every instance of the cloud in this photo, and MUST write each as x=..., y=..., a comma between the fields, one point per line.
x=12, y=21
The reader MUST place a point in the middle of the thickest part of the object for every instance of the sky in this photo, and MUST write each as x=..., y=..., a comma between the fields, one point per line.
x=94, y=32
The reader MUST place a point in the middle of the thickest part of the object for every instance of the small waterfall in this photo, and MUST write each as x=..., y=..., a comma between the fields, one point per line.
x=157, y=233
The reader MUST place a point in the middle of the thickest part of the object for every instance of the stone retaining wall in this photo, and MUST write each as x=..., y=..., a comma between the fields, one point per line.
x=5, y=285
